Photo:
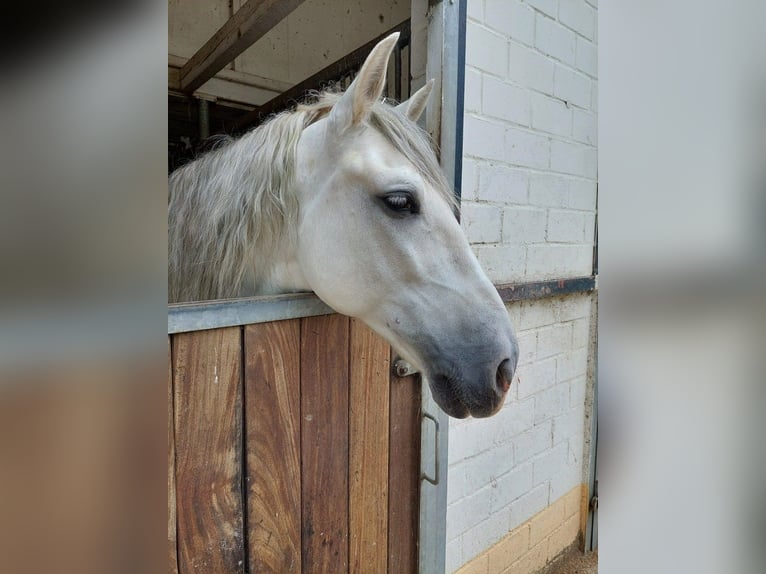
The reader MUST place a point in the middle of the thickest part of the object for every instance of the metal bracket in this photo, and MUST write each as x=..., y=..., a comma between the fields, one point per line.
x=423, y=475
x=403, y=369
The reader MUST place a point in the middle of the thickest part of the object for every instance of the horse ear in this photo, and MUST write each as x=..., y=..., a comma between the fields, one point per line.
x=354, y=105
x=414, y=107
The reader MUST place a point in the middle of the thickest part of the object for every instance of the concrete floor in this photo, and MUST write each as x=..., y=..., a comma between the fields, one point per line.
x=576, y=563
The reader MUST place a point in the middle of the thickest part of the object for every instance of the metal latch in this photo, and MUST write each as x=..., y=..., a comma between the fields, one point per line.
x=435, y=478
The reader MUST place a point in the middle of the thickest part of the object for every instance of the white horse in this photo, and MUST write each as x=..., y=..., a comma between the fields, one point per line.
x=345, y=197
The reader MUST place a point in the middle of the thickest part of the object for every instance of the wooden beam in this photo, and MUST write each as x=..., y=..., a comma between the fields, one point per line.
x=250, y=23
x=330, y=73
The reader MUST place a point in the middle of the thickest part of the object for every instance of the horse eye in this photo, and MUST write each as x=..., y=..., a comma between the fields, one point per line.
x=400, y=203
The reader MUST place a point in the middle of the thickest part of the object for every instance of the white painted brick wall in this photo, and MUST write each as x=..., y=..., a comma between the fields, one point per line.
x=529, y=200
x=505, y=469
x=530, y=136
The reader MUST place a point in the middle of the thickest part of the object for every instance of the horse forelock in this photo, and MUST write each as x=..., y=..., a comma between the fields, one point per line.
x=230, y=210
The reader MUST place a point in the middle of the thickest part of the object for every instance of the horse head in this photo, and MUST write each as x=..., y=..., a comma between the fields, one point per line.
x=377, y=239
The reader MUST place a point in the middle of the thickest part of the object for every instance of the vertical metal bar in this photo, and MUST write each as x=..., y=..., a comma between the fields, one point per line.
x=591, y=406
x=460, y=97
x=445, y=63
x=204, y=119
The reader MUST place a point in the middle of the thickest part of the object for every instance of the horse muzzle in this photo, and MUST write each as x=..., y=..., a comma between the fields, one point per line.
x=467, y=387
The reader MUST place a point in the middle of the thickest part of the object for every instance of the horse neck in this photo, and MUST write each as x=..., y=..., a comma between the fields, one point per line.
x=275, y=268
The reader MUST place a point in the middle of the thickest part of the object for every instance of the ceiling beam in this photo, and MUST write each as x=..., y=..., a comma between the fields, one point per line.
x=250, y=23
x=349, y=62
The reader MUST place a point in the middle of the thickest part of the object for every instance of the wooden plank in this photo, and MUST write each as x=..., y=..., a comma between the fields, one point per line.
x=272, y=444
x=251, y=22
x=324, y=443
x=404, y=475
x=208, y=427
x=369, y=371
x=172, y=548
x=349, y=62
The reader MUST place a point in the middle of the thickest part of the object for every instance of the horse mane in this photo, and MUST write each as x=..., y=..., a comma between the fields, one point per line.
x=230, y=210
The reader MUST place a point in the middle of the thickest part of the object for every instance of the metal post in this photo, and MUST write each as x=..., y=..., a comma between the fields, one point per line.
x=204, y=119
x=444, y=120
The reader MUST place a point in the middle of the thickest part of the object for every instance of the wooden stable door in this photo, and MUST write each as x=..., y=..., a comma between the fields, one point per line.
x=291, y=449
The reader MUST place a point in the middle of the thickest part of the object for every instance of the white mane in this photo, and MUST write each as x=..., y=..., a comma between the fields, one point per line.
x=229, y=210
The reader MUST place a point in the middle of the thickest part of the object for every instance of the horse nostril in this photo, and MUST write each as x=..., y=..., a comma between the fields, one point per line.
x=504, y=375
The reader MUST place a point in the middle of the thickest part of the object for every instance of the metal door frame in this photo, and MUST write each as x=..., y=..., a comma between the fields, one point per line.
x=444, y=120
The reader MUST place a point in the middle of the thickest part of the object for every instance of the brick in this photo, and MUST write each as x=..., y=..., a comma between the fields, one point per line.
x=587, y=57
x=473, y=87
x=554, y=340
x=502, y=263
x=481, y=222
x=470, y=439
x=556, y=260
x=566, y=226
x=578, y=388
x=472, y=475
x=475, y=10
x=572, y=87
x=524, y=225
x=514, y=312
x=503, y=184
x=544, y=6
x=470, y=180
x=533, y=442
x=581, y=194
x=572, y=158
x=536, y=377
x=577, y=15
x=478, y=566
x=525, y=507
x=535, y=558
x=492, y=530
x=548, y=464
x=568, y=477
x=551, y=115
x=512, y=18
x=551, y=403
x=454, y=555
x=563, y=537
x=569, y=424
x=511, y=486
x=549, y=190
x=538, y=314
x=584, y=126
x=508, y=550
x=574, y=307
x=486, y=50
x=572, y=501
x=527, y=347
x=505, y=101
x=572, y=364
x=468, y=512
x=580, y=332
x=553, y=39
x=513, y=419
x=546, y=522
x=483, y=139
x=530, y=69
x=526, y=148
